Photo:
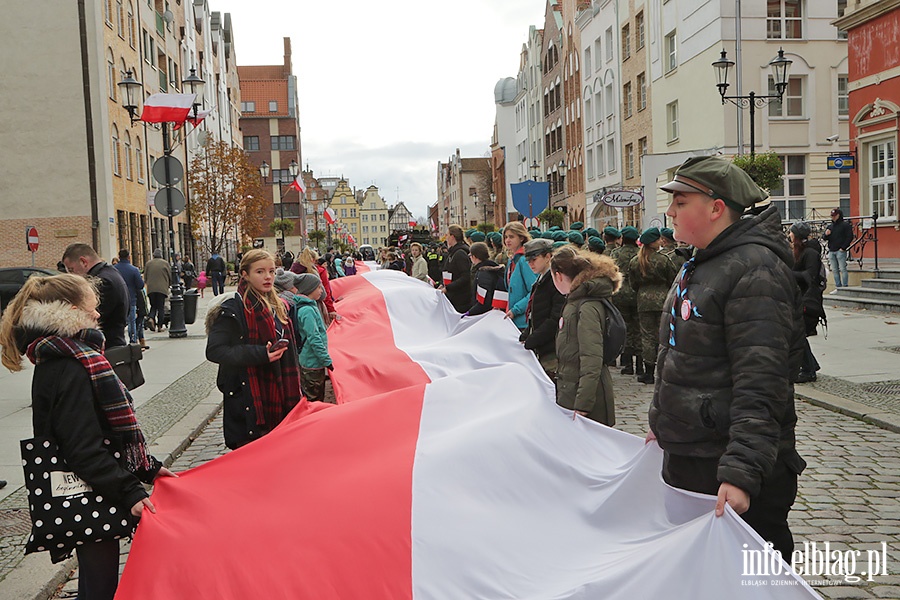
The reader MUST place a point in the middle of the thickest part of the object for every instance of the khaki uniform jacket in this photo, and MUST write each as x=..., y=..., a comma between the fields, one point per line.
x=651, y=288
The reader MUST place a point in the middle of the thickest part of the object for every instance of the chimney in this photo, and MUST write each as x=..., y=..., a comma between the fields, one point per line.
x=287, y=57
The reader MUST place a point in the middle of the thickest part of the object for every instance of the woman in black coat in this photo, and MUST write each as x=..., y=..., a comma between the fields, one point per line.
x=544, y=309
x=808, y=275
x=79, y=403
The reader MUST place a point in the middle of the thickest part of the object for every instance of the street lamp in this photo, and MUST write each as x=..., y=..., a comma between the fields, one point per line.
x=264, y=171
x=194, y=85
x=484, y=206
x=780, y=65
x=131, y=94
x=535, y=169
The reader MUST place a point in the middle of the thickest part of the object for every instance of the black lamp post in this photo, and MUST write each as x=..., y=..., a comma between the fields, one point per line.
x=132, y=90
x=562, y=168
x=781, y=66
x=535, y=169
x=264, y=170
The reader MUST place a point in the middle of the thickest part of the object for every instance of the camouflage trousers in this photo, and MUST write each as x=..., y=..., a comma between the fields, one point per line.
x=649, y=335
x=312, y=382
x=632, y=331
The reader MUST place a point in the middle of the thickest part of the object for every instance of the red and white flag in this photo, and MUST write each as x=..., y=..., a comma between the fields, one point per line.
x=329, y=215
x=351, y=239
x=297, y=184
x=500, y=300
x=433, y=226
x=412, y=224
x=202, y=114
x=446, y=470
x=167, y=108
x=447, y=277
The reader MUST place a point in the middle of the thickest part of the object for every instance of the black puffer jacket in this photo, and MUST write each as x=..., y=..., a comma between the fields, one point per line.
x=543, y=320
x=725, y=387
x=226, y=328
x=807, y=272
x=458, y=269
x=487, y=278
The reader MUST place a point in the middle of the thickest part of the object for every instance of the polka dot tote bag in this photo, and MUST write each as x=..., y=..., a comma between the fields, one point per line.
x=65, y=511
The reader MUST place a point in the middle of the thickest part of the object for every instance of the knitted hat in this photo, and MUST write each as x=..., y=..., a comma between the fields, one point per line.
x=650, y=235
x=577, y=226
x=576, y=238
x=612, y=232
x=629, y=233
x=307, y=283
x=477, y=236
x=596, y=244
x=667, y=233
x=284, y=280
x=800, y=230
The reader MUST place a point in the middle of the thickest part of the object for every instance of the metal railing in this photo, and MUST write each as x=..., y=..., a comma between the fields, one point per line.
x=861, y=235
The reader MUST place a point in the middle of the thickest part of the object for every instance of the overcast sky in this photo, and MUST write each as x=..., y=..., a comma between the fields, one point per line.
x=387, y=90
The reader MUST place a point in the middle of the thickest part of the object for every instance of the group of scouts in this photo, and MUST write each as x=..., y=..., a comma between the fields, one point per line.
x=648, y=262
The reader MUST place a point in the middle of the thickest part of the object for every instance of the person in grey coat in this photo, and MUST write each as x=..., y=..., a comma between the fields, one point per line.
x=158, y=277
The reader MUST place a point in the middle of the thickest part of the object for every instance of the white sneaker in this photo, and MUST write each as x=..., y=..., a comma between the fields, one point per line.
x=834, y=291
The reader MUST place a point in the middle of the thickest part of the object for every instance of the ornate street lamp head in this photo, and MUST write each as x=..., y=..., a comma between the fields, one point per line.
x=722, y=66
x=781, y=67
x=131, y=90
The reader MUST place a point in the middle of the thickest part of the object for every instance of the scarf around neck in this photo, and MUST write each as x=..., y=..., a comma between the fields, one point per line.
x=115, y=402
x=274, y=387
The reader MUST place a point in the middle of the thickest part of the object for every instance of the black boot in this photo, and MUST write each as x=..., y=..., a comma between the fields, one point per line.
x=647, y=377
x=638, y=365
x=627, y=364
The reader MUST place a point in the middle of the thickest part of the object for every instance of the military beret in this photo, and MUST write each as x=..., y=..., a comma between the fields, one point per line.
x=650, y=235
x=555, y=228
x=469, y=232
x=717, y=178
x=495, y=237
x=630, y=233
x=560, y=236
x=596, y=244
x=576, y=238
x=537, y=246
x=477, y=236
x=613, y=232
x=577, y=226
x=590, y=232
x=667, y=233
x=559, y=244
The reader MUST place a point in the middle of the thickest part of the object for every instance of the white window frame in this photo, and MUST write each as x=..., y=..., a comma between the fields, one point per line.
x=672, y=121
x=883, y=178
x=779, y=110
x=782, y=21
x=642, y=91
x=843, y=96
x=671, y=51
x=789, y=198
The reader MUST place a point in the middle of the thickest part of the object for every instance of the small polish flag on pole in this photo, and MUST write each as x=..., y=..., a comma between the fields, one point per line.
x=412, y=224
x=433, y=226
x=202, y=114
x=297, y=184
x=166, y=108
x=330, y=216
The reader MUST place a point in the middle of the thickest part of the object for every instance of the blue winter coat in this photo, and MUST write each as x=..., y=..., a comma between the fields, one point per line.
x=519, y=284
x=311, y=336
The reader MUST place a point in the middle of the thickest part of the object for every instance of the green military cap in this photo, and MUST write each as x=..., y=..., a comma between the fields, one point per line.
x=717, y=178
x=613, y=232
x=577, y=226
x=555, y=228
x=547, y=235
x=477, y=236
x=560, y=236
x=596, y=244
x=575, y=237
x=630, y=233
x=469, y=232
x=495, y=237
x=667, y=233
x=650, y=235
x=590, y=232
x=559, y=244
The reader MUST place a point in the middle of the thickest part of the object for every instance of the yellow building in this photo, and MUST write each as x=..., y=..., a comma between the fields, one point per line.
x=346, y=209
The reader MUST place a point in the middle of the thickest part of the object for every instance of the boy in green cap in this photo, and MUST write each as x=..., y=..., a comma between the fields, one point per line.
x=626, y=301
x=723, y=408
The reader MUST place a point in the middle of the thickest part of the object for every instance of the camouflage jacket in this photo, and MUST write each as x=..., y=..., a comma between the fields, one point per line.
x=625, y=299
x=725, y=370
x=678, y=256
x=651, y=288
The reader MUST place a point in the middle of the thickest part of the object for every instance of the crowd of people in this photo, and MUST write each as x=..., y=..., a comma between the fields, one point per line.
x=717, y=320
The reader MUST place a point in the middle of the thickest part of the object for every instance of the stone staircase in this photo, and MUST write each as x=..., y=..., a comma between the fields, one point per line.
x=881, y=293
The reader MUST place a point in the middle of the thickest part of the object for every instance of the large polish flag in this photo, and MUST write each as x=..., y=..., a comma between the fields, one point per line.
x=446, y=471
x=166, y=108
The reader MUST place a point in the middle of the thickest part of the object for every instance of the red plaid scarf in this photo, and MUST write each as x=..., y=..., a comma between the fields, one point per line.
x=274, y=386
x=513, y=263
x=86, y=347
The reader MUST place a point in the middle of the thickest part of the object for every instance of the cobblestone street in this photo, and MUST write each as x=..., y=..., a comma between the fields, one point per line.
x=848, y=493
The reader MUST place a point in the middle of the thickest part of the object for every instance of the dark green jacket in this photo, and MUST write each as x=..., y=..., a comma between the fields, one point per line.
x=625, y=299
x=582, y=380
x=724, y=388
x=651, y=288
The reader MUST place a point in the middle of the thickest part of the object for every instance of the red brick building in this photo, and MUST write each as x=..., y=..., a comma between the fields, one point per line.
x=271, y=128
x=874, y=98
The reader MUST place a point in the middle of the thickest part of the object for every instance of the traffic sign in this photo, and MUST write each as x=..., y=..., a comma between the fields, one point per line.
x=176, y=171
x=31, y=239
x=535, y=222
x=169, y=196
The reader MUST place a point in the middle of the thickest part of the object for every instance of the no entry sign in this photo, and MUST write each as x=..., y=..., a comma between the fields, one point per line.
x=31, y=238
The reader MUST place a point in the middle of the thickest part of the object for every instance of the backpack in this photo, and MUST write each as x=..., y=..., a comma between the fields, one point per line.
x=614, y=336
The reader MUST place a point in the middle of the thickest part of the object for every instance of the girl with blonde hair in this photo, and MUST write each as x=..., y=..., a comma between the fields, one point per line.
x=79, y=403
x=251, y=338
x=519, y=276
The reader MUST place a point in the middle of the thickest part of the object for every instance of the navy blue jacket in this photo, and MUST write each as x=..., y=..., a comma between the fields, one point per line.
x=133, y=280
